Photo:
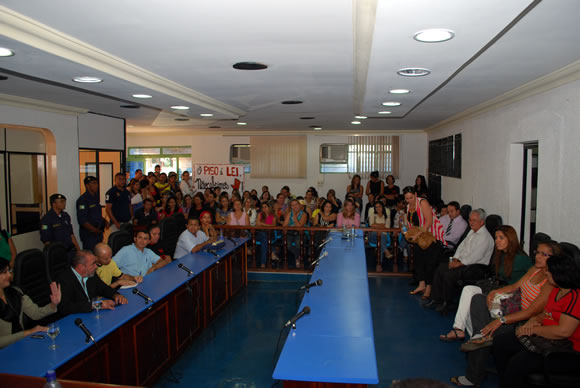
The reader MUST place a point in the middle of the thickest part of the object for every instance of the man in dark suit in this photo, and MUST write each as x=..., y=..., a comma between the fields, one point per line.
x=79, y=285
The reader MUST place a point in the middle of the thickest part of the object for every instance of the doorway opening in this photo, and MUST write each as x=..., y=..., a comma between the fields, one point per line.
x=529, y=192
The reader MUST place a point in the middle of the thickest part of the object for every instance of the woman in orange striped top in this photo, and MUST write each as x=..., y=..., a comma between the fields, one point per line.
x=535, y=292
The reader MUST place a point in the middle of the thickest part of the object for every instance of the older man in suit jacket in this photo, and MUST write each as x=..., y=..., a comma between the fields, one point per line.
x=79, y=286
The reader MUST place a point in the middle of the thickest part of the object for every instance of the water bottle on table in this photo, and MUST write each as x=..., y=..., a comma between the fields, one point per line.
x=51, y=380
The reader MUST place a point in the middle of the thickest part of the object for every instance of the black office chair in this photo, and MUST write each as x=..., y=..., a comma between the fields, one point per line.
x=536, y=239
x=492, y=222
x=570, y=249
x=118, y=240
x=56, y=259
x=31, y=276
x=464, y=211
x=127, y=227
x=170, y=231
x=179, y=218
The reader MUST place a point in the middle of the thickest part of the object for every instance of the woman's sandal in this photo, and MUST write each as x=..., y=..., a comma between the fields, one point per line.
x=416, y=292
x=457, y=338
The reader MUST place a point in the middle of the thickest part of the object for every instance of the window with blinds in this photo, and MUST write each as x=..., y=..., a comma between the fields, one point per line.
x=373, y=153
x=362, y=155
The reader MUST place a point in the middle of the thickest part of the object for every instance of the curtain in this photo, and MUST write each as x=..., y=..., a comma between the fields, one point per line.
x=278, y=156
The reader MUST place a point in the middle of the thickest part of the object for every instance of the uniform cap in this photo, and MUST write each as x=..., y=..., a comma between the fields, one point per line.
x=54, y=197
x=90, y=179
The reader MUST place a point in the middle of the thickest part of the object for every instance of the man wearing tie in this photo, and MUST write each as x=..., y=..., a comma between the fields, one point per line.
x=453, y=224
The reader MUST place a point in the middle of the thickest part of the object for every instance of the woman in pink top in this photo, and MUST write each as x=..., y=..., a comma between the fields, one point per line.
x=238, y=217
x=348, y=216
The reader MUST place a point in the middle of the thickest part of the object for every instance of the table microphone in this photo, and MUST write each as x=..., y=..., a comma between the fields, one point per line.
x=142, y=295
x=81, y=325
x=314, y=284
x=315, y=262
x=292, y=321
x=183, y=267
x=325, y=242
x=233, y=241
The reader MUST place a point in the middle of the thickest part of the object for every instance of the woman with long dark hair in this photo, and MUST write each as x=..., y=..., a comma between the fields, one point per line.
x=355, y=190
x=14, y=304
x=421, y=187
x=198, y=206
x=392, y=191
x=380, y=219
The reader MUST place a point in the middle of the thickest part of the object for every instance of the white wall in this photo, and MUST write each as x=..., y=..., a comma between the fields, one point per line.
x=64, y=129
x=216, y=149
x=101, y=132
x=492, y=170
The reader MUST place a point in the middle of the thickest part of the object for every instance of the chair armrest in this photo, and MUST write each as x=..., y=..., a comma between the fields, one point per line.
x=561, y=368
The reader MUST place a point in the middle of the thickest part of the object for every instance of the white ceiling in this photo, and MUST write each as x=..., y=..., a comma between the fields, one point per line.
x=339, y=56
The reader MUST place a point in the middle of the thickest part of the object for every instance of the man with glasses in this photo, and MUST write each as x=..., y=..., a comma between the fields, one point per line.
x=79, y=286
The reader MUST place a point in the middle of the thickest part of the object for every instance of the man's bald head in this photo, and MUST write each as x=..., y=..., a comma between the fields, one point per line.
x=104, y=253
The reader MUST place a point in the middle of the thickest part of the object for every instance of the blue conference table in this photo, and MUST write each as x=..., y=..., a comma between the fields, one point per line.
x=32, y=357
x=335, y=342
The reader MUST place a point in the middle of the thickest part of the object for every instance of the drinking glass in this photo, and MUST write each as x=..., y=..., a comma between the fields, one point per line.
x=53, y=332
x=97, y=305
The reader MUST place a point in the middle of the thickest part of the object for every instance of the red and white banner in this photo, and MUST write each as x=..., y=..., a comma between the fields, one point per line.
x=224, y=176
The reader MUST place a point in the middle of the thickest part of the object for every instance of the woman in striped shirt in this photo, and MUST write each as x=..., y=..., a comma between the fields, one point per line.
x=535, y=291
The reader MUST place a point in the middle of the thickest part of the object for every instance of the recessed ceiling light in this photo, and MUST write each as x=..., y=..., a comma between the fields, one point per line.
x=206, y=114
x=307, y=118
x=87, y=80
x=181, y=119
x=385, y=112
x=292, y=102
x=317, y=128
x=355, y=122
x=434, y=35
x=399, y=91
x=180, y=107
x=130, y=126
x=250, y=66
x=130, y=106
x=391, y=103
x=360, y=117
x=142, y=96
x=413, y=72
x=241, y=123
x=4, y=52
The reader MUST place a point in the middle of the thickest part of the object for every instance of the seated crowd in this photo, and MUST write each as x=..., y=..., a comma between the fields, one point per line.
x=503, y=299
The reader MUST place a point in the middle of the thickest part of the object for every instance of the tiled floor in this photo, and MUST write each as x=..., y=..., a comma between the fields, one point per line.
x=238, y=349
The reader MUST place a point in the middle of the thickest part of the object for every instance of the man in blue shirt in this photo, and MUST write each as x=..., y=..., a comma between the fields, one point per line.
x=138, y=260
x=89, y=215
x=118, y=200
x=191, y=240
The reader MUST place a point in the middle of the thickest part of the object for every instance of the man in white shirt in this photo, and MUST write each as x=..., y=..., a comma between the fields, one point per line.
x=191, y=240
x=477, y=248
x=453, y=224
x=185, y=185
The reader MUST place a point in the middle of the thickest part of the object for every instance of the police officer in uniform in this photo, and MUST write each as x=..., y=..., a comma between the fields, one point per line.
x=56, y=226
x=89, y=215
x=118, y=203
